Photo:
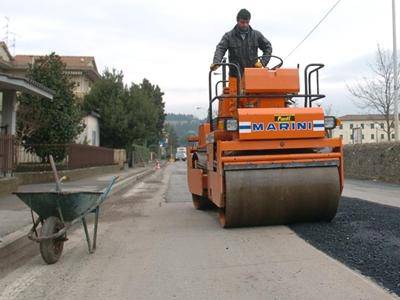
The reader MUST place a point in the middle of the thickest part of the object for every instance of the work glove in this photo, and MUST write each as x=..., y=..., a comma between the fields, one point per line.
x=258, y=64
x=213, y=67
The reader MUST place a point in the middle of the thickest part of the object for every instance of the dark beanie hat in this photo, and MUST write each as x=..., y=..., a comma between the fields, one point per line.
x=243, y=14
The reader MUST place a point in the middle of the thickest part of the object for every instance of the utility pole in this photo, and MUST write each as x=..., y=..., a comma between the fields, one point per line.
x=395, y=75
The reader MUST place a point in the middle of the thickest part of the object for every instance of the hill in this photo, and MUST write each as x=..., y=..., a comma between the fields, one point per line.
x=184, y=125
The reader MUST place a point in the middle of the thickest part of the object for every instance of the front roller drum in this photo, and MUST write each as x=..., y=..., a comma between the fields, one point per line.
x=256, y=197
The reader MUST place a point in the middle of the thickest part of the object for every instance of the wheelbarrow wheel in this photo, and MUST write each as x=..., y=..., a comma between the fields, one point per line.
x=51, y=249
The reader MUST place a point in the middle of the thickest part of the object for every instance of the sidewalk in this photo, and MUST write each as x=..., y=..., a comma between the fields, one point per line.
x=15, y=215
x=374, y=191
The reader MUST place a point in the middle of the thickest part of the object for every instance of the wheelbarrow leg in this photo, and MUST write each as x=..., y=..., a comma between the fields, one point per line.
x=96, y=221
x=87, y=234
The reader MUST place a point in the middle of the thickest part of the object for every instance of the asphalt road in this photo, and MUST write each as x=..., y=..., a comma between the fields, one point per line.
x=153, y=245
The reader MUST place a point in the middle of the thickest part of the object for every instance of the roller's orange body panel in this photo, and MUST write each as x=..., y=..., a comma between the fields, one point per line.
x=271, y=81
x=270, y=132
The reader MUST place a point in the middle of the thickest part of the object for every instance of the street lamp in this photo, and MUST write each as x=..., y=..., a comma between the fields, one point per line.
x=200, y=108
x=395, y=75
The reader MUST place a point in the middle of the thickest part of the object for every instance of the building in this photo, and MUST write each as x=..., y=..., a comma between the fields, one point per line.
x=9, y=86
x=91, y=133
x=81, y=70
x=356, y=129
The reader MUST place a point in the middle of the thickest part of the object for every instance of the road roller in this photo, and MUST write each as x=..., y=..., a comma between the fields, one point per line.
x=266, y=155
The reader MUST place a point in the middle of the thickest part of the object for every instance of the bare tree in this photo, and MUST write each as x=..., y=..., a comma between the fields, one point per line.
x=376, y=93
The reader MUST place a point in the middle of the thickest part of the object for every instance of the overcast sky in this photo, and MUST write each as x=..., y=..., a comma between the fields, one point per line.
x=172, y=42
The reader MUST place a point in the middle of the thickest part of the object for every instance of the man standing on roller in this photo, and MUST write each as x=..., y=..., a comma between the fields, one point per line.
x=243, y=43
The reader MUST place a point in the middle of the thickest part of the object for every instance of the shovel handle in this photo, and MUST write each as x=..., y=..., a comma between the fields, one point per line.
x=53, y=167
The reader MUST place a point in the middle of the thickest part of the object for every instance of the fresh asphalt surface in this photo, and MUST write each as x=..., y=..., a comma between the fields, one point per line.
x=364, y=236
x=152, y=244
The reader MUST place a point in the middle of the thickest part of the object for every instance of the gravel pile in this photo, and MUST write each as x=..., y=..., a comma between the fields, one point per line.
x=365, y=236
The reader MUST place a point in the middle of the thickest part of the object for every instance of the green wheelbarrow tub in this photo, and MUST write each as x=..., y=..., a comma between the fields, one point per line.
x=57, y=212
x=72, y=204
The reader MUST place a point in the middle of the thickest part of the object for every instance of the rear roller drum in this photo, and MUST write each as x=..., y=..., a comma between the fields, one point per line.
x=280, y=196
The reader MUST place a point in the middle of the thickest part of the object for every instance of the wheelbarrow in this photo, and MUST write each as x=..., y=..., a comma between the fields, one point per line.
x=58, y=211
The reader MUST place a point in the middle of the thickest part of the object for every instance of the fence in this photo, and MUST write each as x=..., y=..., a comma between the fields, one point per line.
x=120, y=157
x=71, y=156
x=7, y=154
x=26, y=157
x=83, y=156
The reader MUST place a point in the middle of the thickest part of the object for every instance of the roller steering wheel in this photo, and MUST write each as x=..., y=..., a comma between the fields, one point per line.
x=262, y=57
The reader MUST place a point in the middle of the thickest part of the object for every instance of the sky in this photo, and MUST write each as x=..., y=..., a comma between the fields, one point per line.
x=172, y=43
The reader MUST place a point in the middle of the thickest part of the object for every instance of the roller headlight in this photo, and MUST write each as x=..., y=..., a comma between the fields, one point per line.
x=330, y=122
x=231, y=125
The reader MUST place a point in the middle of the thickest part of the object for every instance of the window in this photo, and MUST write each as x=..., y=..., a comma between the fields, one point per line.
x=382, y=136
x=351, y=126
x=362, y=125
x=372, y=136
x=341, y=126
x=372, y=125
x=392, y=136
x=352, y=137
x=341, y=136
x=362, y=137
x=382, y=125
x=94, y=135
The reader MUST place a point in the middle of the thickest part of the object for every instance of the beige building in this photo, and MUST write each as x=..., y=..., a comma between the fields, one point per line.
x=82, y=70
x=357, y=129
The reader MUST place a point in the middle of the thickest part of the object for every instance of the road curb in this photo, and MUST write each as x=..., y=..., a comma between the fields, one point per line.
x=121, y=184
x=15, y=247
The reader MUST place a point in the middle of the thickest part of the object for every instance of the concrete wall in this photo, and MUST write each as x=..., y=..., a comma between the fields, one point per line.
x=120, y=157
x=373, y=161
x=8, y=185
x=48, y=176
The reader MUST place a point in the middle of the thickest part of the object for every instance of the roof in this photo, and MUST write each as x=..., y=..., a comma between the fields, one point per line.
x=367, y=117
x=86, y=64
x=10, y=82
x=4, y=46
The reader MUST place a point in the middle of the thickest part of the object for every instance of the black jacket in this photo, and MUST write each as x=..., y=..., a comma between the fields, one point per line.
x=242, y=52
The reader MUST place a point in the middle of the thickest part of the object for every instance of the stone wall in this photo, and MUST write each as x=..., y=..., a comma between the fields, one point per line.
x=48, y=176
x=8, y=185
x=373, y=161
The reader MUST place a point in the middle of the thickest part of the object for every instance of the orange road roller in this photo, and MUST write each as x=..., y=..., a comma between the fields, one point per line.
x=266, y=155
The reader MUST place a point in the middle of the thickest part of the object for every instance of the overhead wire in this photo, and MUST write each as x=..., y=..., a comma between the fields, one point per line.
x=314, y=28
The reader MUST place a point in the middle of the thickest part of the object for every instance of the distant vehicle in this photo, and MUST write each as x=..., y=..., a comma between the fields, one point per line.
x=180, y=154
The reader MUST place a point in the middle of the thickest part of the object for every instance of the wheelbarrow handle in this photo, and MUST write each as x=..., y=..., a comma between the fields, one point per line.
x=107, y=190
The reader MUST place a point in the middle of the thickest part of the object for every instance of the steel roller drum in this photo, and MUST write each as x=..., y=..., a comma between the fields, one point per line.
x=280, y=196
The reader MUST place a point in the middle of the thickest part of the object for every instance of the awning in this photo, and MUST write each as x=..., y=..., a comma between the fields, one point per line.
x=22, y=84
